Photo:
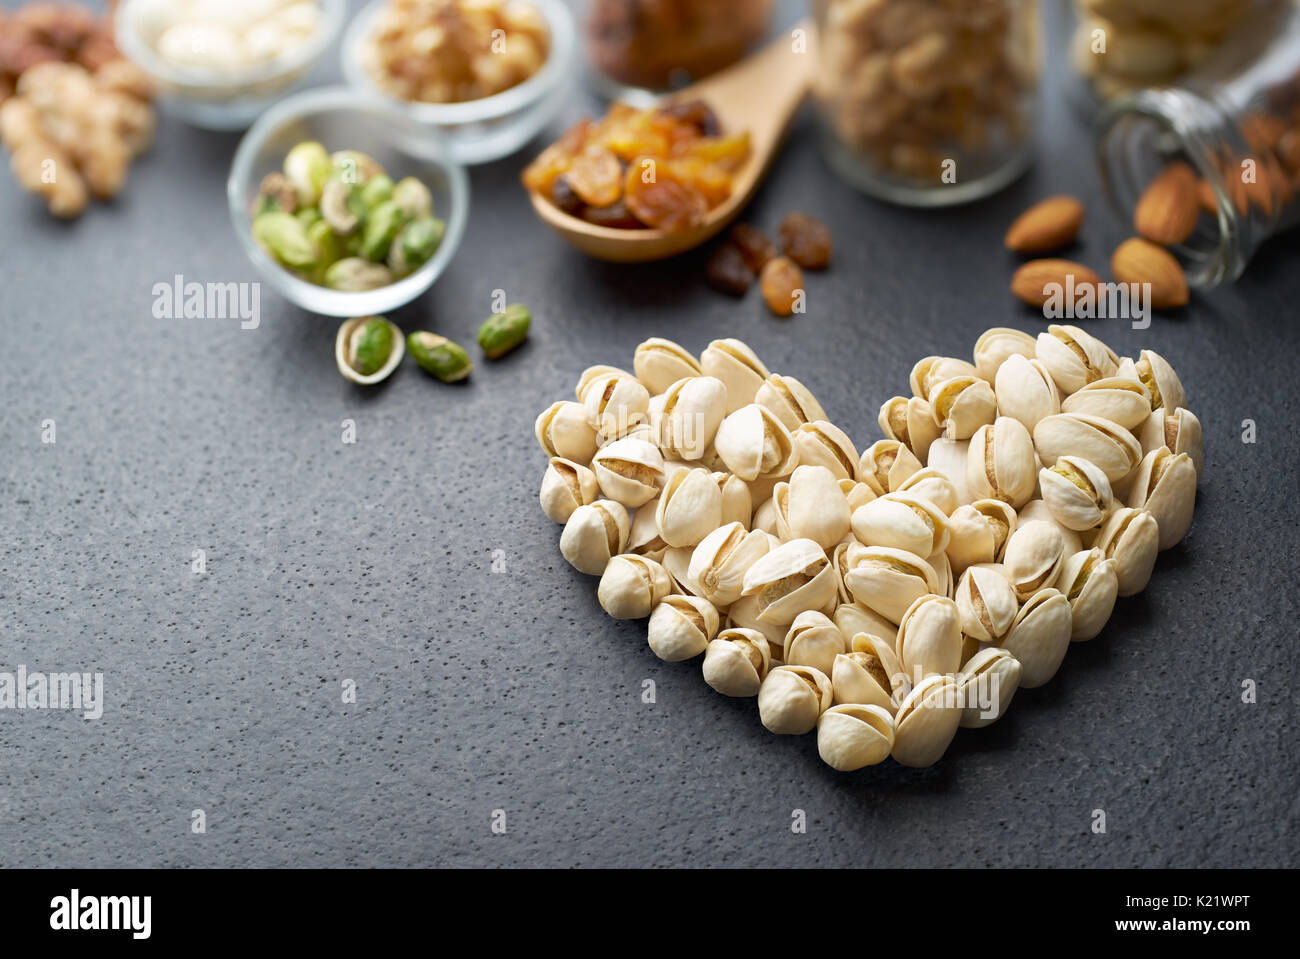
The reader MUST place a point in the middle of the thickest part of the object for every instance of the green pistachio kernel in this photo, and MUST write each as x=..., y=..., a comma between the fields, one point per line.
x=502, y=332
x=439, y=356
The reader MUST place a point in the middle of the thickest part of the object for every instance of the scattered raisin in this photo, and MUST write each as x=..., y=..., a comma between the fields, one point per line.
x=754, y=245
x=562, y=196
x=780, y=282
x=664, y=202
x=697, y=113
x=806, y=240
x=728, y=272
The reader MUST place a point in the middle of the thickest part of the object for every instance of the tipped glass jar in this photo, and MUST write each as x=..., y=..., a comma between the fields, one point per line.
x=1235, y=122
x=927, y=102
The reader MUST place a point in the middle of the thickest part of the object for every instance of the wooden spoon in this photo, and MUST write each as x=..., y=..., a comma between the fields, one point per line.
x=760, y=94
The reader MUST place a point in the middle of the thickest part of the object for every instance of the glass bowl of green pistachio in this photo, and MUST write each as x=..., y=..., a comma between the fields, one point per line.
x=345, y=204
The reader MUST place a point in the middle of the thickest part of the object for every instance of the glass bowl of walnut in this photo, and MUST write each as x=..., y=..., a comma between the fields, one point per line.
x=487, y=74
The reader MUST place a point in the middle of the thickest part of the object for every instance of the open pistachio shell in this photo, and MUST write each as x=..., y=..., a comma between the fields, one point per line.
x=820, y=443
x=789, y=400
x=631, y=586
x=1034, y=556
x=658, y=363
x=996, y=346
x=813, y=640
x=616, y=403
x=1090, y=585
x=933, y=485
x=1074, y=357
x=949, y=458
x=794, y=577
x=817, y=509
x=852, y=736
x=926, y=722
x=986, y=603
x=961, y=405
x=1179, y=430
x=929, y=637
x=792, y=699
x=886, y=465
x=752, y=443
x=682, y=627
x=909, y=420
x=644, y=540
x=1102, y=442
x=1036, y=509
x=1026, y=391
x=562, y=430
x=738, y=367
x=1163, y=386
x=978, y=533
x=629, y=471
x=1165, y=485
x=736, y=662
x=1076, y=493
x=932, y=370
x=856, y=620
x=689, y=416
x=1040, y=636
x=355, y=344
x=1131, y=537
x=903, y=521
x=566, y=485
x=737, y=505
x=887, y=581
x=856, y=493
x=689, y=508
x=985, y=686
x=743, y=614
x=1001, y=462
x=1115, y=398
x=719, y=563
x=594, y=534
x=870, y=674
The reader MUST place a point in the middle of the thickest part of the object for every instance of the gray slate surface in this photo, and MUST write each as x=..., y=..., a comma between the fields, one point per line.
x=479, y=690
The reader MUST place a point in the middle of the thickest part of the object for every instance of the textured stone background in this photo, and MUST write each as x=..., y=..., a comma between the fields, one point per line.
x=479, y=691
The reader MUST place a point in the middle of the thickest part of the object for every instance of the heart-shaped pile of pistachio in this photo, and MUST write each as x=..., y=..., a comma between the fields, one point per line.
x=886, y=598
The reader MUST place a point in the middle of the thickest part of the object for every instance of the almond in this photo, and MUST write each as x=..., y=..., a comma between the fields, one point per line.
x=1205, y=196
x=1140, y=261
x=1167, y=210
x=1046, y=226
x=1030, y=281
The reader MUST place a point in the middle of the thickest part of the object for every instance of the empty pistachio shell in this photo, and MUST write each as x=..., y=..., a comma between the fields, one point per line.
x=853, y=736
x=681, y=627
x=1076, y=493
x=789, y=400
x=933, y=370
x=1115, y=398
x=996, y=346
x=594, y=534
x=792, y=699
x=790, y=579
x=932, y=485
x=562, y=430
x=1034, y=556
x=813, y=640
x=1107, y=445
x=752, y=442
x=1040, y=636
x=690, y=507
x=929, y=637
x=566, y=485
x=1178, y=429
x=978, y=532
x=631, y=586
x=1131, y=537
x=736, y=662
x=824, y=444
x=737, y=505
x=1026, y=391
x=856, y=620
x=693, y=408
x=817, y=509
x=909, y=420
x=721, y=560
x=738, y=367
x=887, y=581
x=1074, y=357
x=1161, y=382
x=985, y=686
x=368, y=349
x=1165, y=485
x=659, y=363
x=886, y=465
x=903, y=521
x=615, y=403
x=1001, y=462
x=986, y=603
x=926, y=722
x=1090, y=585
x=629, y=471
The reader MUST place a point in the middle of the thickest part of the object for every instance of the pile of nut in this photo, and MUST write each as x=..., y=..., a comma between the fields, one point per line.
x=449, y=51
x=908, y=83
x=1147, y=43
x=226, y=36
x=883, y=598
x=73, y=113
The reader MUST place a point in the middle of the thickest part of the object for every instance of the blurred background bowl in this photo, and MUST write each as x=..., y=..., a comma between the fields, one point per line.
x=214, y=98
x=478, y=131
x=344, y=119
